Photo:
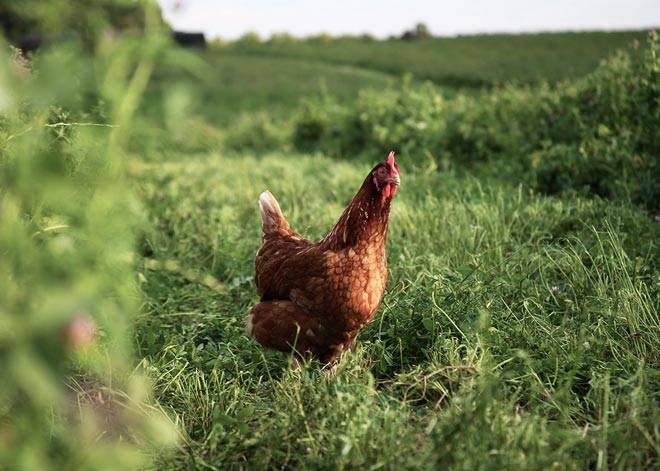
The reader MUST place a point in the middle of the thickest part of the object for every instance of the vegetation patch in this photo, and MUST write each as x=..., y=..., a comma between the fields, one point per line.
x=520, y=325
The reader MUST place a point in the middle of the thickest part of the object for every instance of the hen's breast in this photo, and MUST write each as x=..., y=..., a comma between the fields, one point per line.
x=356, y=281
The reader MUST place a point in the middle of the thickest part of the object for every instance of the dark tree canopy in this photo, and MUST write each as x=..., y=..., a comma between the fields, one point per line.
x=39, y=21
x=420, y=31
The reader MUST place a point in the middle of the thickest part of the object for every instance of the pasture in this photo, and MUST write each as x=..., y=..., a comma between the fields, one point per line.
x=463, y=61
x=520, y=325
x=517, y=330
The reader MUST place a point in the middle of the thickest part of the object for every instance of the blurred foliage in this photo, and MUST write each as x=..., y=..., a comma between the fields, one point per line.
x=419, y=32
x=70, y=397
x=58, y=20
x=256, y=131
x=251, y=38
x=235, y=84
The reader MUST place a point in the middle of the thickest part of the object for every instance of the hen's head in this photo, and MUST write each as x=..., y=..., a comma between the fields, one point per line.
x=385, y=177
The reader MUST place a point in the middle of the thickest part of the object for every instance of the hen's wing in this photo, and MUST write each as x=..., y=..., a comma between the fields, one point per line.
x=274, y=252
x=289, y=267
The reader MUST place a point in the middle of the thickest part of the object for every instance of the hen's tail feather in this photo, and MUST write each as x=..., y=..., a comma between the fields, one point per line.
x=272, y=219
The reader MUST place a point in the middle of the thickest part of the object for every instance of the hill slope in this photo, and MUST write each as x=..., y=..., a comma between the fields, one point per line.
x=465, y=60
x=235, y=83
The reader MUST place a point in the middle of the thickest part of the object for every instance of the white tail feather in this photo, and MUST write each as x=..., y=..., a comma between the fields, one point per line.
x=249, y=324
x=271, y=214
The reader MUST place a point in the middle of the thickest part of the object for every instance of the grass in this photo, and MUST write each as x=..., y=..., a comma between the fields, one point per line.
x=465, y=61
x=231, y=84
x=520, y=326
x=517, y=330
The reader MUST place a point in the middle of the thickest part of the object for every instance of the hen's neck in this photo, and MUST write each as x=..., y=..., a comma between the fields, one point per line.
x=364, y=220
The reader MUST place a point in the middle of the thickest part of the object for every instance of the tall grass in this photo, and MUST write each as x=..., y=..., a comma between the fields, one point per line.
x=517, y=330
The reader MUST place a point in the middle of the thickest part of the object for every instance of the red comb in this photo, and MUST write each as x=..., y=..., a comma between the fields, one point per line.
x=390, y=159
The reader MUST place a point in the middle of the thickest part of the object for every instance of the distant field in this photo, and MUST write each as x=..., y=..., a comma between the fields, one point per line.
x=235, y=83
x=273, y=77
x=465, y=61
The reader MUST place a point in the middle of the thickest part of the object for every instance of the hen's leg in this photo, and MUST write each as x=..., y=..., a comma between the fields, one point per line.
x=283, y=326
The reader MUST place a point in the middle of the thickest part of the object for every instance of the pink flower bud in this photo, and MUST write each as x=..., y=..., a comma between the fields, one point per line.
x=80, y=331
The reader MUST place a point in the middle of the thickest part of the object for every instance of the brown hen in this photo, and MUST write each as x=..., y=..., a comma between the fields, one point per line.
x=315, y=297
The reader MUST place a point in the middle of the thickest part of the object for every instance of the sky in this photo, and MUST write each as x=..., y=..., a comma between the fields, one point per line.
x=381, y=18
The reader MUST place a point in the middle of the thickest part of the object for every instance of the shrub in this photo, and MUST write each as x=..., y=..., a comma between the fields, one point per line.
x=406, y=119
x=605, y=130
x=257, y=132
x=591, y=168
x=597, y=135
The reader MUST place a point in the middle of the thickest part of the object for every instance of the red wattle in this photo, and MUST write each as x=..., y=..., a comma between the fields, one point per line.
x=386, y=190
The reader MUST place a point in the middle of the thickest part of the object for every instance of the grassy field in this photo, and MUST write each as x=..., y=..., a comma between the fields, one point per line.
x=517, y=330
x=230, y=84
x=520, y=325
x=238, y=80
x=468, y=61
